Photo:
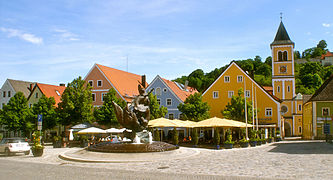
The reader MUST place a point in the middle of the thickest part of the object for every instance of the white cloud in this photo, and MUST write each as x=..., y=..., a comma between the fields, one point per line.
x=66, y=35
x=24, y=36
x=326, y=25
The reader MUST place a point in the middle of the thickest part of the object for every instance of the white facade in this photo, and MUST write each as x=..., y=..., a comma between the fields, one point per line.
x=6, y=92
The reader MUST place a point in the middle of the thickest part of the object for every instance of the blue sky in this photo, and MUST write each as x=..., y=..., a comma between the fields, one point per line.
x=56, y=41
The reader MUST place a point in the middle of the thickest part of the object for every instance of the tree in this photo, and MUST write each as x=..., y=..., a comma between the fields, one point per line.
x=45, y=106
x=268, y=61
x=76, y=106
x=322, y=44
x=105, y=115
x=15, y=115
x=194, y=109
x=297, y=55
x=156, y=111
x=235, y=108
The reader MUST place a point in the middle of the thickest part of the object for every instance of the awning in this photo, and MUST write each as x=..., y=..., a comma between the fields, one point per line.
x=162, y=122
x=92, y=130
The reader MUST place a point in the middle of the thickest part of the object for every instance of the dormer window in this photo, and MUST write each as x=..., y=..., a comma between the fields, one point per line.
x=99, y=83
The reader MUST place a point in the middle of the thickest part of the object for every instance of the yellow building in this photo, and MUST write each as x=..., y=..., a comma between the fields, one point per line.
x=229, y=82
x=283, y=82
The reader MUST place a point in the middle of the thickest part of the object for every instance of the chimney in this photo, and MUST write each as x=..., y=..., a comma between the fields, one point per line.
x=30, y=87
x=186, y=85
x=143, y=81
x=62, y=84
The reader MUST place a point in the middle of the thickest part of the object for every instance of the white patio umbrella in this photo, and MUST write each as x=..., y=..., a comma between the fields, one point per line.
x=115, y=130
x=92, y=130
x=71, y=137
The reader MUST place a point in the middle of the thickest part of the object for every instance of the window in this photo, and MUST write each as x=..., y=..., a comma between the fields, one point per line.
x=4, y=94
x=36, y=95
x=240, y=78
x=165, y=90
x=268, y=112
x=58, y=93
x=91, y=83
x=300, y=107
x=288, y=88
x=226, y=79
x=247, y=93
x=8, y=93
x=279, y=56
x=325, y=111
x=230, y=94
x=168, y=102
x=285, y=56
x=300, y=129
x=215, y=94
x=103, y=94
x=171, y=116
x=99, y=83
x=158, y=91
x=284, y=109
x=159, y=101
x=278, y=89
x=93, y=96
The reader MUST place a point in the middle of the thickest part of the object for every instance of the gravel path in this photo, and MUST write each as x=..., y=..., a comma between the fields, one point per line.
x=282, y=160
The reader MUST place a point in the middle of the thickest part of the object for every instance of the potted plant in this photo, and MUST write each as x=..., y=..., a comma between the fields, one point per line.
x=228, y=143
x=175, y=137
x=195, y=138
x=83, y=141
x=277, y=136
x=217, y=138
x=244, y=143
x=56, y=141
x=37, y=148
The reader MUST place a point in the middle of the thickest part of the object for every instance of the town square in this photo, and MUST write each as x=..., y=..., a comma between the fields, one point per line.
x=166, y=89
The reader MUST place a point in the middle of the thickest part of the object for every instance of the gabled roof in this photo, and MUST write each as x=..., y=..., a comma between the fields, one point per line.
x=21, y=86
x=125, y=83
x=179, y=90
x=325, y=92
x=263, y=89
x=328, y=54
x=282, y=36
x=51, y=91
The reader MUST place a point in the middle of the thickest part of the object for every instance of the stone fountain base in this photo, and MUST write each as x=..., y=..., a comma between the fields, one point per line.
x=131, y=148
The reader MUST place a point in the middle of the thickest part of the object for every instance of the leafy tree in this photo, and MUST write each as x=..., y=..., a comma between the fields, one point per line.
x=175, y=137
x=76, y=106
x=157, y=135
x=156, y=111
x=322, y=44
x=235, y=108
x=268, y=61
x=194, y=109
x=105, y=115
x=216, y=136
x=297, y=55
x=15, y=115
x=45, y=106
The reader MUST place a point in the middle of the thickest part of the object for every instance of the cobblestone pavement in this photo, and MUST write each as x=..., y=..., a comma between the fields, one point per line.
x=282, y=160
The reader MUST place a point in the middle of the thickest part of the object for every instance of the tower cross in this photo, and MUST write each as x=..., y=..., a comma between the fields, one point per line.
x=281, y=16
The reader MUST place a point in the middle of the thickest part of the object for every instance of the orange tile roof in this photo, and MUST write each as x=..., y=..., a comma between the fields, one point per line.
x=328, y=54
x=125, y=83
x=51, y=91
x=178, y=91
x=268, y=88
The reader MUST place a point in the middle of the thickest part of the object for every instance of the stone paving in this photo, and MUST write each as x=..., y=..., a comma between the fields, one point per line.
x=282, y=160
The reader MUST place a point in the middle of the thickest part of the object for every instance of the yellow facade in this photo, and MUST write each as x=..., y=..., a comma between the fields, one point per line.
x=218, y=95
x=307, y=121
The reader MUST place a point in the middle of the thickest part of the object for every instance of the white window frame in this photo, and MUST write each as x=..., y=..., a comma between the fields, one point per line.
x=247, y=93
x=269, y=109
x=98, y=83
x=215, y=94
x=239, y=78
x=170, y=102
x=102, y=96
x=158, y=91
x=230, y=93
x=322, y=111
x=227, y=79
x=92, y=83
x=93, y=95
x=158, y=101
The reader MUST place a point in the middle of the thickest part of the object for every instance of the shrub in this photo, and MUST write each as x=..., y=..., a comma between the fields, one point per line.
x=175, y=136
x=157, y=135
x=229, y=140
x=195, y=137
x=217, y=137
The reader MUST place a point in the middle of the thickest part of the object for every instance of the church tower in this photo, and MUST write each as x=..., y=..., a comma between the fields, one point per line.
x=283, y=82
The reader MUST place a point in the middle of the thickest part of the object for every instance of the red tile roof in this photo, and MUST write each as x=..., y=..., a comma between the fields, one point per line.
x=328, y=54
x=124, y=82
x=52, y=91
x=181, y=93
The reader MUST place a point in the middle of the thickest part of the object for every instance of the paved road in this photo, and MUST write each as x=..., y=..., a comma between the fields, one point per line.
x=283, y=160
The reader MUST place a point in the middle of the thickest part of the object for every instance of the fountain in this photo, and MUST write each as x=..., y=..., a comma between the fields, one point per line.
x=134, y=117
